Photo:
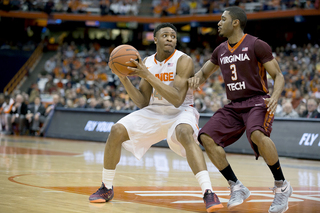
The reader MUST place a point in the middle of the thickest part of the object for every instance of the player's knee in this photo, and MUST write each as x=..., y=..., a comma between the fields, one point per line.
x=257, y=136
x=119, y=131
x=183, y=132
x=207, y=141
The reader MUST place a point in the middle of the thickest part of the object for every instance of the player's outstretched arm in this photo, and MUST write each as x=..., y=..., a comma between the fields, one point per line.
x=273, y=69
x=202, y=75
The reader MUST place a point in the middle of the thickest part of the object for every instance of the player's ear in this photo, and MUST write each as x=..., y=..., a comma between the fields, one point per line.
x=236, y=22
x=155, y=40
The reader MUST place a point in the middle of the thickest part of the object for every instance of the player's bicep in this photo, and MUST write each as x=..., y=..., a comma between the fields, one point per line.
x=185, y=70
x=272, y=68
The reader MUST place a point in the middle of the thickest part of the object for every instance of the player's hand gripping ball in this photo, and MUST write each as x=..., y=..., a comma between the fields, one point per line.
x=119, y=58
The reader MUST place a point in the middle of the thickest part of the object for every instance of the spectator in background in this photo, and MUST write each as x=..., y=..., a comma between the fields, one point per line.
x=184, y=7
x=94, y=104
x=301, y=109
x=134, y=10
x=50, y=65
x=17, y=115
x=312, y=111
x=5, y=111
x=193, y=6
x=288, y=111
x=5, y=5
x=50, y=87
x=82, y=102
x=75, y=6
x=49, y=6
x=107, y=103
x=296, y=99
x=35, y=92
x=49, y=113
x=115, y=7
x=317, y=92
x=124, y=7
x=35, y=116
x=69, y=103
x=119, y=104
x=104, y=7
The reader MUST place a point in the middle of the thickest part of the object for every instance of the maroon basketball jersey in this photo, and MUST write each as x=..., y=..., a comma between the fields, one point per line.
x=241, y=66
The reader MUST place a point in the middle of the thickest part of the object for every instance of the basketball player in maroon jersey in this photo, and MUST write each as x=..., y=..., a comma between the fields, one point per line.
x=243, y=61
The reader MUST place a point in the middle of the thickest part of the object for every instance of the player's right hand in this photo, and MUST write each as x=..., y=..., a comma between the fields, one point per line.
x=194, y=82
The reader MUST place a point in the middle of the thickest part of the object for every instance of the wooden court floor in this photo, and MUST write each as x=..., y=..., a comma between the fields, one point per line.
x=53, y=175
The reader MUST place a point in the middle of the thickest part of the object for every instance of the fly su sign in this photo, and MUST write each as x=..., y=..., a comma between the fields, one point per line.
x=308, y=139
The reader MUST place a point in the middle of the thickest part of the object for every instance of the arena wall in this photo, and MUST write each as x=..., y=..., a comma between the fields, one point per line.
x=298, y=138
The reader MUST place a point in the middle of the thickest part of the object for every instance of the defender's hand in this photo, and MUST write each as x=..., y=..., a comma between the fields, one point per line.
x=271, y=104
x=194, y=82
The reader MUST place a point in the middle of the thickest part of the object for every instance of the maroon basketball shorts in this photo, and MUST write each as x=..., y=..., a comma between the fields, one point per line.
x=228, y=124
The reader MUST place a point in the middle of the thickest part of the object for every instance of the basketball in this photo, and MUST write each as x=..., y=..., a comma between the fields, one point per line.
x=118, y=58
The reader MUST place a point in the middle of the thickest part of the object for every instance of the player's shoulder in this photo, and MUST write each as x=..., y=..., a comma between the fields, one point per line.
x=183, y=57
x=149, y=58
x=222, y=45
x=254, y=39
x=248, y=36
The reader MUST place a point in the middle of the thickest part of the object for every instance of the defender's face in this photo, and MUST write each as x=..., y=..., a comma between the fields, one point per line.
x=225, y=27
x=166, y=39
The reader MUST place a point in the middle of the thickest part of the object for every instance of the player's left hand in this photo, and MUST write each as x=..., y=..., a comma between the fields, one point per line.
x=141, y=70
x=271, y=104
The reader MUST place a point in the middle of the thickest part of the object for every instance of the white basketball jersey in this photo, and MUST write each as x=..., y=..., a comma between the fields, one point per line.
x=166, y=72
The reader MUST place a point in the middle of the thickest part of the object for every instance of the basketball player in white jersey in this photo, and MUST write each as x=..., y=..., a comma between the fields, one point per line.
x=166, y=112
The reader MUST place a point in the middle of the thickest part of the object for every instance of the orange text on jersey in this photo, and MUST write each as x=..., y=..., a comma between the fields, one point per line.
x=165, y=76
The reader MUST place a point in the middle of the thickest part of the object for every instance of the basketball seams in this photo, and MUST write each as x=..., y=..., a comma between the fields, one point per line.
x=125, y=46
x=123, y=55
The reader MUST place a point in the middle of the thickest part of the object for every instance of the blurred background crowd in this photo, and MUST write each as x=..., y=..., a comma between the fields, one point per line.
x=77, y=76
x=156, y=7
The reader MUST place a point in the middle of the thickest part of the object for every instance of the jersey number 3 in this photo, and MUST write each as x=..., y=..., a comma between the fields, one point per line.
x=234, y=76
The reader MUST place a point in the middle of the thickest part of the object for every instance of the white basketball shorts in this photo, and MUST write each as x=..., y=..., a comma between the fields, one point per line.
x=155, y=123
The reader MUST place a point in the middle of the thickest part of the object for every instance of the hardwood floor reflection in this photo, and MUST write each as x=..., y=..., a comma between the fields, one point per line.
x=54, y=175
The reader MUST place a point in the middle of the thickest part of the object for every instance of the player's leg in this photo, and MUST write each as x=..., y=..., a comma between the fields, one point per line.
x=217, y=155
x=224, y=128
x=112, y=149
x=136, y=132
x=184, y=134
x=259, y=123
x=112, y=153
x=282, y=188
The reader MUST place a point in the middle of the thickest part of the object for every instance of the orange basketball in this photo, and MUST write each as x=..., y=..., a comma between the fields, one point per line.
x=118, y=58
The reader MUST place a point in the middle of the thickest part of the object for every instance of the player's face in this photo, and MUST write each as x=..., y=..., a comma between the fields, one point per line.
x=225, y=27
x=166, y=39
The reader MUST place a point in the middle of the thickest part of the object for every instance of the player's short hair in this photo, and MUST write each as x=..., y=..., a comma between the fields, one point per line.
x=163, y=25
x=238, y=13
